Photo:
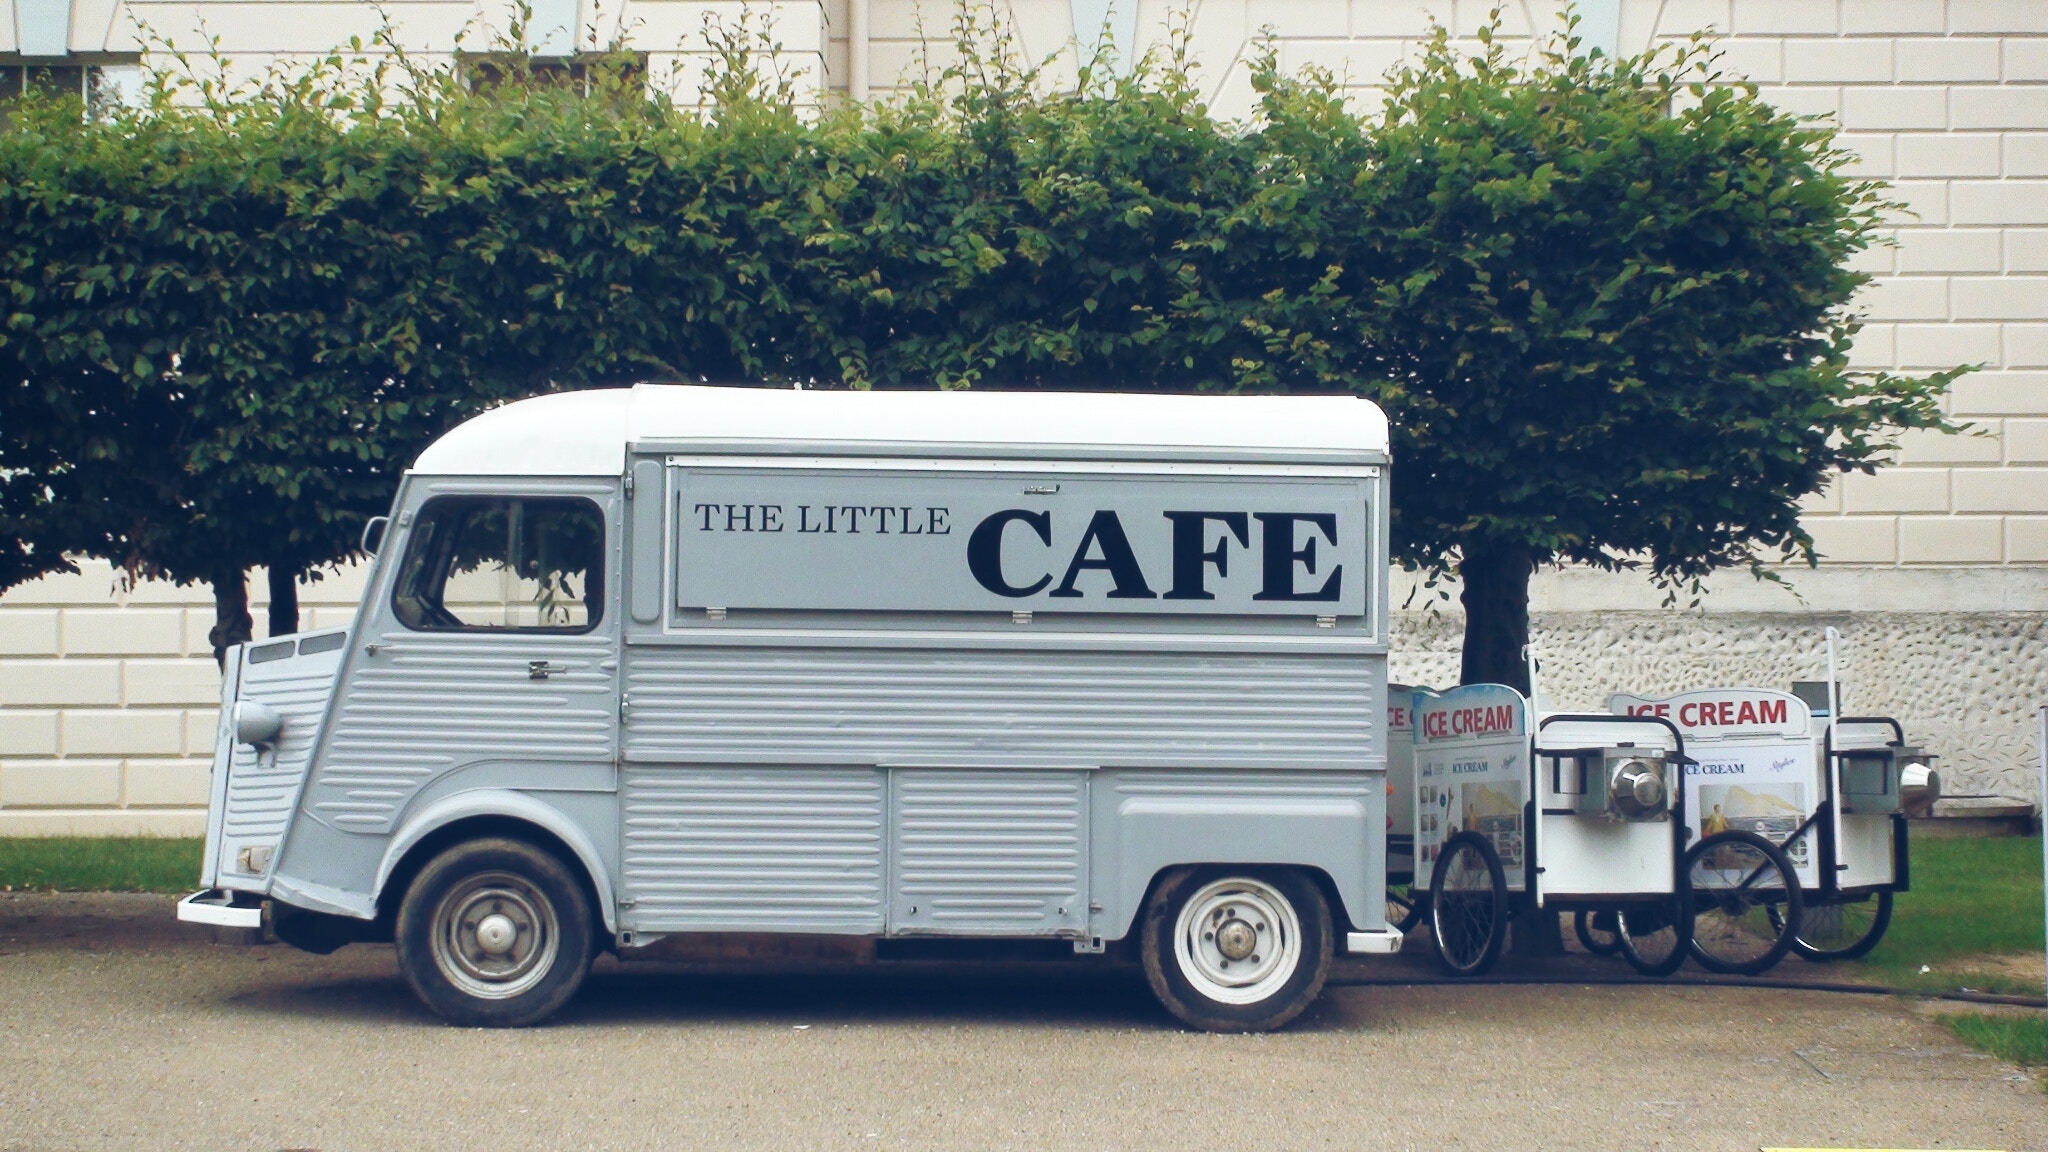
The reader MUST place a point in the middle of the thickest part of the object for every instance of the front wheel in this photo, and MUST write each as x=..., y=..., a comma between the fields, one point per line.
x=1468, y=905
x=495, y=933
x=1746, y=903
x=1237, y=949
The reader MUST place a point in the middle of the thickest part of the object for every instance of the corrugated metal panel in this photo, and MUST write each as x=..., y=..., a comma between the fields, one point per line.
x=263, y=788
x=431, y=703
x=1249, y=785
x=970, y=707
x=746, y=849
x=988, y=851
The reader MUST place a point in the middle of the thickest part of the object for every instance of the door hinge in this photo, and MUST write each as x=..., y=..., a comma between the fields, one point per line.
x=629, y=485
x=625, y=707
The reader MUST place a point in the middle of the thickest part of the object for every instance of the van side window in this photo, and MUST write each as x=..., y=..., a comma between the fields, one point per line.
x=503, y=564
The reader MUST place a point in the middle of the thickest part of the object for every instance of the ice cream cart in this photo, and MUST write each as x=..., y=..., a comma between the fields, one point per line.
x=1575, y=811
x=1752, y=781
x=1827, y=797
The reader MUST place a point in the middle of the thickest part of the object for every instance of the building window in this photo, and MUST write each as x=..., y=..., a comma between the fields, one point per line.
x=92, y=84
x=577, y=73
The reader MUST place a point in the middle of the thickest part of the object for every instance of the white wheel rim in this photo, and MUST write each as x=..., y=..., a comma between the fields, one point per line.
x=1237, y=941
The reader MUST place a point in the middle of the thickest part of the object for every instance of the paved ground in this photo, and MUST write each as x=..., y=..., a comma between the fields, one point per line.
x=120, y=1030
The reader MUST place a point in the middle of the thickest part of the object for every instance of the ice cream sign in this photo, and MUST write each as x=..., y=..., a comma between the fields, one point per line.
x=1754, y=763
x=1471, y=772
x=1716, y=713
x=1458, y=715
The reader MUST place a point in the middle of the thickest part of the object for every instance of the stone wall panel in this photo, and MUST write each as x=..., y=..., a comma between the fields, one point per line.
x=1964, y=684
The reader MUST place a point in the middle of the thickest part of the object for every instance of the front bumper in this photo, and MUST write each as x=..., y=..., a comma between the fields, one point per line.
x=1383, y=942
x=222, y=909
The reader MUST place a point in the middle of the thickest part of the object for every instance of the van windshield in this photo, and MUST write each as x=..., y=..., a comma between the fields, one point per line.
x=529, y=564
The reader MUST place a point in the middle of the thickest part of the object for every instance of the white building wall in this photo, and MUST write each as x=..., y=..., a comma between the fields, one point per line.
x=1936, y=569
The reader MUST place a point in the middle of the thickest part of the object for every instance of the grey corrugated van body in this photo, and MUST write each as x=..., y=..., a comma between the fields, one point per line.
x=668, y=660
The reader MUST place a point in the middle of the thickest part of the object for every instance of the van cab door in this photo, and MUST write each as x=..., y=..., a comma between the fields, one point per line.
x=489, y=654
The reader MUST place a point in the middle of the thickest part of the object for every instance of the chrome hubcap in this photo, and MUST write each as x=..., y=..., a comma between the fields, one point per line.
x=495, y=935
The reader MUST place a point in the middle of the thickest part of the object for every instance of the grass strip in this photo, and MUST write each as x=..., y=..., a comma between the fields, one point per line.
x=99, y=864
x=1971, y=899
x=2021, y=1040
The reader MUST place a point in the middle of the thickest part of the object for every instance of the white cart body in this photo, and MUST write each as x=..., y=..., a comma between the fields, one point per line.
x=1766, y=764
x=1587, y=859
x=1472, y=773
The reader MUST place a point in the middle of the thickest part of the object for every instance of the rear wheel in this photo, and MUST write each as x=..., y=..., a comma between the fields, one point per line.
x=1746, y=903
x=1843, y=931
x=495, y=933
x=1405, y=907
x=1654, y=937
x=1237, y=949
x=1597, y=932
x=1468, y=905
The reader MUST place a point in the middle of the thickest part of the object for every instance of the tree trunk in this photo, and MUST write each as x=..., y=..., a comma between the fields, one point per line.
x=232, y=623
x=1496, y=600
x=284, y=601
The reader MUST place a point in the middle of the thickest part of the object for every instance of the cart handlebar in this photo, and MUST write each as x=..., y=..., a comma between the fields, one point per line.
x=1677, y=737
x=1898, y=730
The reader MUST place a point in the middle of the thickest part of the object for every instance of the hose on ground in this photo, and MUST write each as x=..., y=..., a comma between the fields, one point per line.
x=1690, y=982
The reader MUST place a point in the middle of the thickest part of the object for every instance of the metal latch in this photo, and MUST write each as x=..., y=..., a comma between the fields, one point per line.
x=541, y=669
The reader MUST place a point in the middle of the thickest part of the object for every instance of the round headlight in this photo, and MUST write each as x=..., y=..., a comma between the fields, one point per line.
x=1636, y=789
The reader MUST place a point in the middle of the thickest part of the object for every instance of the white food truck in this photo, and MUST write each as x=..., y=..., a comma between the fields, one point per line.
x=1107, y=670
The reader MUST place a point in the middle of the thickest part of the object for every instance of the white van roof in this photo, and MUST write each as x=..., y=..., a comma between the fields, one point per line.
x=588, y=433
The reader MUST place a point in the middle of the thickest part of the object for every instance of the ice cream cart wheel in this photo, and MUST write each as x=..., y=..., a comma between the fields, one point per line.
x=1847, y=930
x=1404, y=907
x=1653, y=937
x=1597, y=932
x=1229, y=949
x=1468, y=905
x=1738, y=879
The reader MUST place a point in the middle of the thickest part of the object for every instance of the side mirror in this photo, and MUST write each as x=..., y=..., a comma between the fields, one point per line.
x=256, y=724
x=373, y=533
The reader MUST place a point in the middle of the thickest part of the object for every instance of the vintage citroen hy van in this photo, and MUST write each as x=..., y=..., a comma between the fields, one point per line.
x=668, y=660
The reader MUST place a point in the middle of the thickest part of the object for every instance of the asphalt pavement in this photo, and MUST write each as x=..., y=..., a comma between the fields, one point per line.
x=123, y=1030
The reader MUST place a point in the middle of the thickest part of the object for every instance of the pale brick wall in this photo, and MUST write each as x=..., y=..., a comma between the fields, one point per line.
x=107, y=698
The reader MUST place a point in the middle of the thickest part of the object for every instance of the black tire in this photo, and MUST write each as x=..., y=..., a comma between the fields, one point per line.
x=1216, y=911
x=1405, y=907
x=1468, y=905
x=1843, y=930
x=1655, y=938
x=495, y=933
x=1597, y=932
x=1746, y=903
